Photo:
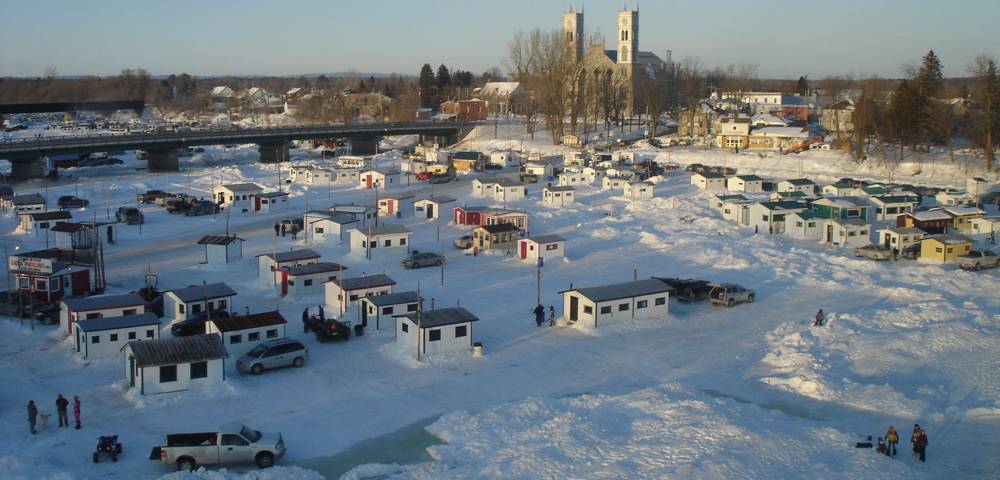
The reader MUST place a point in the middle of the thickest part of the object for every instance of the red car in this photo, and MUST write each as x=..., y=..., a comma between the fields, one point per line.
x=425, y=175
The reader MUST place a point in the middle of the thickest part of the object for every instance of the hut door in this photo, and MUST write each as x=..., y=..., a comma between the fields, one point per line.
x=574, y=306
x=430, y=210
x=131, y=371
x=111, y=235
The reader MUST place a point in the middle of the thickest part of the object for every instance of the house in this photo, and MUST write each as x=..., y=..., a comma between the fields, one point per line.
x=396, y=205
x=961, y=217
x=900, y=238
x=379, y=312
x=269, y=263
x=80, y=309
x=806, y=225
x=842, y=208
x=709, y=181
x=838, y=117
x=243, y=332
x=51, y=274
x=978, y=186
x=430, y=207
x=698, y=121
x=594, y=306
x=505, y=190
x=483, y=186
x=613, y=183
x=502, y=236
x=353, y=161
x=792, y=196
x=466, y=161
x=30, y=203
x=347, y=176
x=472, y=110
x=745, y=183
x=839, y=189
x=183, y=303
x=362, y=213
x=384, y=179
x=237, y=195
x=393, y=239
x=639, y=190
x=871, y=191
x=622, y=172
x=932, y=222
x=560, y=196
x=174, y=364
x=847, y=232
x=572, y=179
x=321, y=225
x=717, y=201
x=768, y=120
x=475, y=216
x=888, y=207
x=985, y=226
x=71, y=235
x=105, y=337
x=297, y=281
x=544, y=247
x=776, y=137
x=505, y=159
x=803, y=185
x=269, y=201
x=40, y=222
x=954, y=198
x=503, y=98
x=297, y=173
x=222, y=249
x=733, y=132
x=318, y=176
x=346, y=291
x=435, y=331
x=593, y=174
x=944, y=248
x=770, y=216
x=543, y=171
x=737, y=210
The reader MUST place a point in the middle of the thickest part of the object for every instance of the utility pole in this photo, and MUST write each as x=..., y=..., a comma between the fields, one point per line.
x=538, y=281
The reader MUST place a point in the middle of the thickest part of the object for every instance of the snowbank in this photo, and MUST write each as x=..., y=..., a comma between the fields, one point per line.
x=274, y=473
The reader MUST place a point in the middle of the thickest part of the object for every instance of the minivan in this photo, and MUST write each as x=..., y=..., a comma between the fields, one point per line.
x=282, y=352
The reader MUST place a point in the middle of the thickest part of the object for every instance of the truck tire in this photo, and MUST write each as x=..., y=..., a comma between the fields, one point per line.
x=750, y=298
x=256, y=369
x=186, y=463
x=298, y=362
x=264, y=460
x=731, y=302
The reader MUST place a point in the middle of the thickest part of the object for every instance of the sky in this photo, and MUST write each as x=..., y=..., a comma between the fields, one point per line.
x=265, y=37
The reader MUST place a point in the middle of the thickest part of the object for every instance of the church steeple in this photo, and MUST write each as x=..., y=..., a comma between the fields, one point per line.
x=628, y=35
x=573, y=32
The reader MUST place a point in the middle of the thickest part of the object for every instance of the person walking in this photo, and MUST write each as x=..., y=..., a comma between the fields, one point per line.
x=891, y=440
x=282, y=229
x=819, y=318
x=913, y=439
x=552, y=316
x=322, y=315
x=61, y=405
x=920, y=445
x=305, y=320
x=76, y=411
x=32, y=415
x=539, y=312
x=277, y=229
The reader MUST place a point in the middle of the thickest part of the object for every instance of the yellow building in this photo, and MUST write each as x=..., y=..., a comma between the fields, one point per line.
x=944, y=248
x=962, y=217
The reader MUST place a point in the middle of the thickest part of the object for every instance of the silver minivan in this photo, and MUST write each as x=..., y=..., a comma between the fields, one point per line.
x=282, y=352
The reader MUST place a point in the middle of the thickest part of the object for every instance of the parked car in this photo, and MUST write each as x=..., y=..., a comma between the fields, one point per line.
x=181, y=203
x=422, y=259
x=202, y=207
x=151, y=196
x=729, y=294
x=230, y=444
x=328, y=329
x=424, y=175
x=873, y=252
x=978, y=260
x=130, y=216
x=437, y=179
x=292, y=225
x=688, y=290
x=98, y=162
x=196, y=324
x=70, y=201
x=463, y=242
x=277, y=353
x=912, y=252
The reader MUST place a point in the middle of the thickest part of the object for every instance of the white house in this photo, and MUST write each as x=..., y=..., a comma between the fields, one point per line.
x=348, y=176
x=222, y=249
x=805, y=225
x=344, y=292
x=544, y=171
x=269, y=263
x=105, y=337
x=70, y=235
x=572, y=179
x=78, y=309
x=387, y=239
x=379, y=312
x=183, y=303
x=430, y=207
x=382, y=179
x=501, y=189
x=547, y=247
x=717, y=201
x=268, y=202
x=32, y=202
x=900, y=238
x=952, y=198
x=237, y=195
x=803, y=185
x=560, y=196
x=593, y=174
x=241, y=333
x=321, y=225
x=770, y=216
x=985, y=226
x=363, y=213
x=639, y=190
x=710, y=181
x=174, y=364
x=978, y=186
x=737, y=211
x=39, y=223
x=318, y=176
x=435, y=331
x=593, y=306
x=506, y=159
x=888, y=207
x=839, y=189
x=301, y=280
x=352, y=161
x=745, y=183
x=622, y=172
x=613, y=183
x=849, y=232
x=396, y=205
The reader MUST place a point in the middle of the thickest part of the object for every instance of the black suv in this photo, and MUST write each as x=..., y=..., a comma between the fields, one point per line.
x=196, y=324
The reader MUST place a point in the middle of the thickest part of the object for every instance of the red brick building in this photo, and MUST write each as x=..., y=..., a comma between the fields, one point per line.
x=465, y=110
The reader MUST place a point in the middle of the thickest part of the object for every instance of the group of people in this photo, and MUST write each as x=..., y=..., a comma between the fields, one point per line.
x=887, y=445
x=305, y=317
x=62, y=409
x=539, y=312
x=281, y=229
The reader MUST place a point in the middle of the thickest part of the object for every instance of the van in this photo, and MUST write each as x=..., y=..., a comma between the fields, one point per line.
x=282, y=352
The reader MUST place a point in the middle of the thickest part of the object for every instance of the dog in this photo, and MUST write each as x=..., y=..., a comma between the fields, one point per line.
x=42, y=420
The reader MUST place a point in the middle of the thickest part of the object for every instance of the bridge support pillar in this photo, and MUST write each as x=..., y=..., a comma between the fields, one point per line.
x=274, y=152
x=28, y=169
x=364, y=146
x=162, y=160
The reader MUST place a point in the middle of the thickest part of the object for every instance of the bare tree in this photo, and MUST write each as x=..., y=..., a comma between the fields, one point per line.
x=985, y=116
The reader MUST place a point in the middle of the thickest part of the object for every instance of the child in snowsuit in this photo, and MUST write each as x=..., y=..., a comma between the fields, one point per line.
x=76, y=410
x=881, y=448
x=891, y=440
x=552, y=316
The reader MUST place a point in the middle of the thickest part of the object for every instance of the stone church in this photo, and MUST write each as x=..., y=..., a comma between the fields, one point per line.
x=626, y=65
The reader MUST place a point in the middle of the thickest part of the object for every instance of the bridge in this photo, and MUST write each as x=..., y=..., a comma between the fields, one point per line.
x=84, y=106
x=26, y=154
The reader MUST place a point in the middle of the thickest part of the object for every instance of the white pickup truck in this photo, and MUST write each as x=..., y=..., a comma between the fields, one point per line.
x=231, y=444
x=978, y=260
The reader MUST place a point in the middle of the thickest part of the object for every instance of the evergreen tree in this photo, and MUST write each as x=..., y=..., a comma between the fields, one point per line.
x=443, y=78
x=427, y=85
x=904, y=115
x=802, y=88
x=933, y=122
x=984, y=125
x=930, y=80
